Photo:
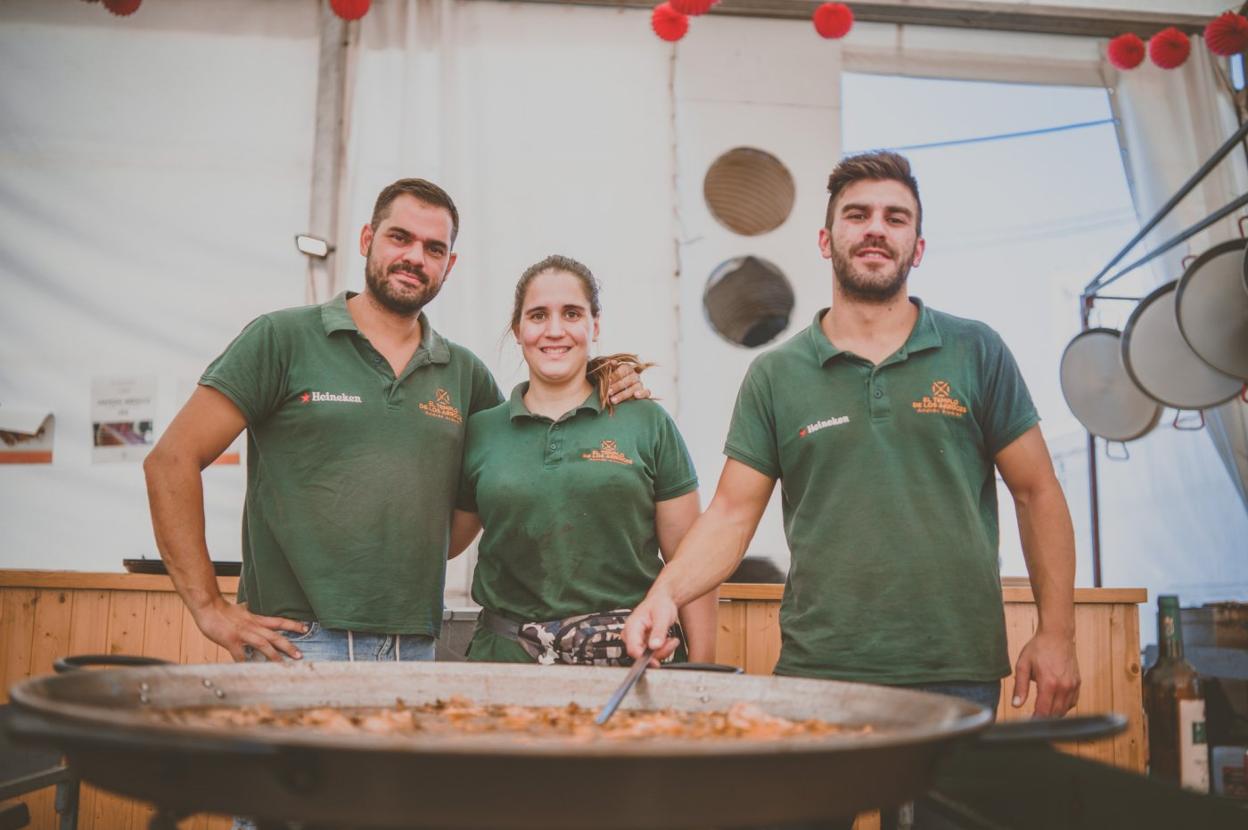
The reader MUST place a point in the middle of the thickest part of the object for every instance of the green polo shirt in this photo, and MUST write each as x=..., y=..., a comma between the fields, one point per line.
x=889, y=497
x=568, y=509
x=351, y=472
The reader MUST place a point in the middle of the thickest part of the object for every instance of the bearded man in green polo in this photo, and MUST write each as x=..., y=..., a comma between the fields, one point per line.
x=885, y=419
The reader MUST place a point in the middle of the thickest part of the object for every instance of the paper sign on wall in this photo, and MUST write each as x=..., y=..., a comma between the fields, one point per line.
x=122, y=411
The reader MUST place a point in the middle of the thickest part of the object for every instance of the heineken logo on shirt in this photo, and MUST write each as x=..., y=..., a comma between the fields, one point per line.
x=608, y=452
x=329, y=397
x=441, y=407
x=824, y=424
x=940, y=402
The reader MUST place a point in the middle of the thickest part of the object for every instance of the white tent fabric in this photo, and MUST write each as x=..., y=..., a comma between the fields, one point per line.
x=147, y=207
x=1188, y=536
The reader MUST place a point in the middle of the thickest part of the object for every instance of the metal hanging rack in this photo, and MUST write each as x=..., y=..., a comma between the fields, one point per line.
x=1091, y=294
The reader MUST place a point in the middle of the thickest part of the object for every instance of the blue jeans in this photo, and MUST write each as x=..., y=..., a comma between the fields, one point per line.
x=985, y=694
x=916, y=815
x=336, y=644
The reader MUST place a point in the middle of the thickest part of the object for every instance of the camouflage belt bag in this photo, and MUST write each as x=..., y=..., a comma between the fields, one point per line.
x=584, y=640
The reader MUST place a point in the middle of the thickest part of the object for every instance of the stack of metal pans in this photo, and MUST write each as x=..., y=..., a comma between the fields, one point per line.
x=1185, y=346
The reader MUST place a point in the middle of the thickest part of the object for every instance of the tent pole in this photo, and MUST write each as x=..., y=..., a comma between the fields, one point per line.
x=1094, y=500
x=327, y=152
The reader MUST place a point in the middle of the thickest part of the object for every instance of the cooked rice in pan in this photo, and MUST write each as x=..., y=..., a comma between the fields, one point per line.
x=457, y=716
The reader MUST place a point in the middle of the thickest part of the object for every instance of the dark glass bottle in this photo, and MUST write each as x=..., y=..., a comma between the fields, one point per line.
x=1174, y=702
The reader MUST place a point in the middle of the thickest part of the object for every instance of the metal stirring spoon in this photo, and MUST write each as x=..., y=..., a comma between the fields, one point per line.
x=634, y=674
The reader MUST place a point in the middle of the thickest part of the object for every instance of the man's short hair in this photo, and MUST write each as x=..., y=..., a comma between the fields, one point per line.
x=876, y=166
x=425, y=191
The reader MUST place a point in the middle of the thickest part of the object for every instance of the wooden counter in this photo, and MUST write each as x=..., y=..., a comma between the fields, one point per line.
x=48, y=614
x=1107, y=642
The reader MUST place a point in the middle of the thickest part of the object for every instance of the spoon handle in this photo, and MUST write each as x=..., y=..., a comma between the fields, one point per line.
x=634, y=673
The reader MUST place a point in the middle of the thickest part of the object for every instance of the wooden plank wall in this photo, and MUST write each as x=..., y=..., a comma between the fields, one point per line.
x=1107, y=642
x=38, y=625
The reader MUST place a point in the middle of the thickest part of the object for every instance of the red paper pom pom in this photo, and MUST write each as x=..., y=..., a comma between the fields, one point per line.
x=1169, y=48
x=692, y=8
x=122, y=8
x=668, y=23
x=1126, y=51
x=1227, y=35
x=833, y=20
x=350, y=9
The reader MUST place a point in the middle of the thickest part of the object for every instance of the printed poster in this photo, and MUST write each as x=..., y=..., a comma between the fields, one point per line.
x=122, y=411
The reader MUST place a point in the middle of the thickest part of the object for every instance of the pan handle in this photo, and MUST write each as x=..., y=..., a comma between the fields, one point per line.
x=719, y=667
x=1189, y=425
x=1081, y=728
x=1241, y=222
x=1109, y=453
x=82, y=661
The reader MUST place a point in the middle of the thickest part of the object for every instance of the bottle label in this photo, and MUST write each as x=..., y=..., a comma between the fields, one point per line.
x=1193, y=748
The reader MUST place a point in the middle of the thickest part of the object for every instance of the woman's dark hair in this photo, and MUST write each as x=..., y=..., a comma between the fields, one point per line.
x=600, y=369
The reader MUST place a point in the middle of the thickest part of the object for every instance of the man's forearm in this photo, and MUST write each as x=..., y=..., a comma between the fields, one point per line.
x=175, y=493
x=706, y=557
x=1048, y=542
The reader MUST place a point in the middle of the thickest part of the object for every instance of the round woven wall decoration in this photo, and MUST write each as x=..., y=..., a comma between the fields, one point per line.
x=749, y=191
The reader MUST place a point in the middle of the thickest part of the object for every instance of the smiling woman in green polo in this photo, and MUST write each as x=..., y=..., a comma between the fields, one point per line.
x=578, y=499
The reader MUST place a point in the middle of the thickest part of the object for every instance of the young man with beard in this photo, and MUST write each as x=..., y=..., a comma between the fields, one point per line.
x=355, y=413
x=884, y=420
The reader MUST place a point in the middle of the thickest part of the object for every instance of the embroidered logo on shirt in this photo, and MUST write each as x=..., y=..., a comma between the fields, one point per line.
x=441, y=407
x=824, y=424
x=940, y=402
x=329, y=397
x=608, y=452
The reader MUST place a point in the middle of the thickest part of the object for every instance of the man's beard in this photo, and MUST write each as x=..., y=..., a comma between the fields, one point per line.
x=867, y=286
x=407, y=300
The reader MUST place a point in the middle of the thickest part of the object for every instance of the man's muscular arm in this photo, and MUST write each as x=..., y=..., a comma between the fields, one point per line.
x=207, y=424
x=1048, y=541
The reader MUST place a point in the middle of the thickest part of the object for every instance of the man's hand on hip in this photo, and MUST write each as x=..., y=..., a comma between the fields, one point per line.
x=1048, y=661
x=234, y=628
